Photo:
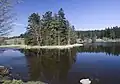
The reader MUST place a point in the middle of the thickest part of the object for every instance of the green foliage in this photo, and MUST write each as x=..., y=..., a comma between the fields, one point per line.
x=33, y=29
x=13, y=82
x=21, y=82
x=113, y=33
x=49, y=29
x=94, y=37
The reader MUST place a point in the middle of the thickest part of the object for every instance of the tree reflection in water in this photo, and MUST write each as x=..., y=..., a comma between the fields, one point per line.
x=50, y=66
x=108, y=48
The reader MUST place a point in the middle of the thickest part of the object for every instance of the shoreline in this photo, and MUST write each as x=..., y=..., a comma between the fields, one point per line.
x=14, y=81
x=41, y=47
x=108, y=40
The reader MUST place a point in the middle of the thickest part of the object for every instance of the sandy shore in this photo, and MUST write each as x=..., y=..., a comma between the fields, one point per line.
x=41, y=47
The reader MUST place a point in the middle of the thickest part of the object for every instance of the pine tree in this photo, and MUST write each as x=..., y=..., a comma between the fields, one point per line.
x=62, y=27
x=33, y=30
x=46, y=21
x=50, y=29
x=112, y=34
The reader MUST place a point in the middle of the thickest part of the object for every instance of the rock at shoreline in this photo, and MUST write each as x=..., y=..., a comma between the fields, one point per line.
x=4, y=70
x=85, y=81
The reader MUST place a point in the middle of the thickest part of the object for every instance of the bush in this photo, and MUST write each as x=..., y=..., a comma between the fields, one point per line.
x=13, y=82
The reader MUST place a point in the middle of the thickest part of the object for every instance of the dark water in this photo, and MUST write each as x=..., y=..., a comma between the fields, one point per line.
x=99, y=62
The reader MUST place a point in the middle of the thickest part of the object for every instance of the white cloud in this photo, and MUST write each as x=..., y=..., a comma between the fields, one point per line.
x=18, y=24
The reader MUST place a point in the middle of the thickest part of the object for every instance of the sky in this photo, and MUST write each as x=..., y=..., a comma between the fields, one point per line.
x=83, y=14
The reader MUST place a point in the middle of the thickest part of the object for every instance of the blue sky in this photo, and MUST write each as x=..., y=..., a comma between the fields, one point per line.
x=83, y=14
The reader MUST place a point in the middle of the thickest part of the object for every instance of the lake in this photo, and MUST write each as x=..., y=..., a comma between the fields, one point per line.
x=100, y=62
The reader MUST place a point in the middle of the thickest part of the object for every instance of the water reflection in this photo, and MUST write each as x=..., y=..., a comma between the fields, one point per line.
x=66, y=66
x=50, y=66
x=108, y=48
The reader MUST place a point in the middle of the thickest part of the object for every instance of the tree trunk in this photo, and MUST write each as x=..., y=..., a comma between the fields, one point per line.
x=58, y=38
x=68, y=36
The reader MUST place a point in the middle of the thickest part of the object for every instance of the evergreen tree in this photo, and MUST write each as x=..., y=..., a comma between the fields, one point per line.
x=55, y=30
x=112, y=34
x=49, y=30
x=46, y=22
x=62, y=27
x=73, y=35
x=33, y=30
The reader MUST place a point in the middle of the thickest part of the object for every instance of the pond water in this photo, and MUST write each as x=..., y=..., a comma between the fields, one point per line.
x=100, y=62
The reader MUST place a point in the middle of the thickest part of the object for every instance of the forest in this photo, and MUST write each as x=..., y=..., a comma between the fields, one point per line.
x=49, y=29
x=111, y=33
x=54, y=29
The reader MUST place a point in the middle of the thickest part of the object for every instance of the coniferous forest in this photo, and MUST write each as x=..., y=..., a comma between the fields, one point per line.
x=54, y=29
x=111, y=33
x=49, y=29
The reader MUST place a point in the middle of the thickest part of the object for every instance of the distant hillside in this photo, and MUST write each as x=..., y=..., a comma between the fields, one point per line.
x=112, y=33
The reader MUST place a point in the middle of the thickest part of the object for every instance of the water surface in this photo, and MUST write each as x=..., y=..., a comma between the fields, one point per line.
x=99, y=62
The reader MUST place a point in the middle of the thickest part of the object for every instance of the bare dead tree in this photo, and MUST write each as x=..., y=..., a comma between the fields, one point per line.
x=6, y=16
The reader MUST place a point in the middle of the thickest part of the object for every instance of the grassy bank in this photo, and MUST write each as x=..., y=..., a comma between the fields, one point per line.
x=21, y=82
x=41, y=47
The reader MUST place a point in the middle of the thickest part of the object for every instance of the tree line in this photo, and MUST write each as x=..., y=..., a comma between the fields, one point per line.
x=112, y=33
x=49, y=29
x=110, y=49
